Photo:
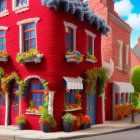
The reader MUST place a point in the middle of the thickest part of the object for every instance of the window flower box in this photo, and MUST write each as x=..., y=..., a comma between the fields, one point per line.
x=3, y=56
x=31, y=56
x=91, y=58
x=74, y=56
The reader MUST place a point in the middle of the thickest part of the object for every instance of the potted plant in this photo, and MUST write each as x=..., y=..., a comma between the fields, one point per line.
x=47, y=121
x=68, y=120
x=21, y=120
x=85, y=120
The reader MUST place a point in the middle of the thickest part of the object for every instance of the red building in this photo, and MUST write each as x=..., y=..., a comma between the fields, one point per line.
x=116, y=56
x=55, y=30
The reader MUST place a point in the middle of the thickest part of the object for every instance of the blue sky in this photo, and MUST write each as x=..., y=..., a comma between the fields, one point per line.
x=129, y=10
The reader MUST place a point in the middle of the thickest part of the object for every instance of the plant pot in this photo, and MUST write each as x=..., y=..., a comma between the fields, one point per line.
x=84, y=126
x=21, y=126
x=67, y=126
x=45, y=128
x=89, y=125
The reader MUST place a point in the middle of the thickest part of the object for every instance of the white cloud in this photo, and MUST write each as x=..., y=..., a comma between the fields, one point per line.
x=123, y=7
x=134, y=21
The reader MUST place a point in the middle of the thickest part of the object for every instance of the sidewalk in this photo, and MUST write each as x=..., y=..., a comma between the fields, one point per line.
x=12, y=133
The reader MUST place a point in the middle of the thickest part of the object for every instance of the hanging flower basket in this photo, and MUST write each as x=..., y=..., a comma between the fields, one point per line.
x=93, y=75
x=75, y=56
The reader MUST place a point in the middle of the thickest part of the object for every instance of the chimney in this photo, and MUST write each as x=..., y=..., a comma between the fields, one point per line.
x=139, y=41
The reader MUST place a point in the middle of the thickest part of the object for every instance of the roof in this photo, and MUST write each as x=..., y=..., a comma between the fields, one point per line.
x=122, y=87
x=136, y=51
x=81, y=10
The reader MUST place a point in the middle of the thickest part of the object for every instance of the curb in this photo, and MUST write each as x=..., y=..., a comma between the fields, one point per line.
x=71, y=137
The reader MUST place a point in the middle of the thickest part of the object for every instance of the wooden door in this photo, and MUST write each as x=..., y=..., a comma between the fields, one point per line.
x=14, y=105
x=91, y=107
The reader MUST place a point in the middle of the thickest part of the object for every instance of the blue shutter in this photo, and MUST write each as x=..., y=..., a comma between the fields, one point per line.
x=37, y=99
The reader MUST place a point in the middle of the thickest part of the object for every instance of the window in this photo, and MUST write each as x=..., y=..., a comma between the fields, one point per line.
x=15, y=97
x=29, y=37
x=69, y=39
x=70, y=36
x=2, y=5
x=20, y=5
x=89, y=45
x=2, y=40
x=90, y=42
x=21, y=2
x=36, y=90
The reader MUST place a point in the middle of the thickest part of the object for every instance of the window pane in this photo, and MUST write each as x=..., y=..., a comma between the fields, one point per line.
x=67, y=98
x=0, y=47
x=33, y=47
x=4, y=3
x=37, y=99
x=33, y=34
x=26, y=27
x=3, y=47
x=26, y=43
x=37, y=86
x=33, y=41
x=33, y=97
x=72, y=97
x=42, y=96
x=67, y=38
x=33, y=25
x=32, y=86
x=24, y=2
x=2, y=33
x=70, y=39
x=4, y=8
x=13, y=99
x=1, y=40
x=27, y=35
x=42, y=87
x=17, y=100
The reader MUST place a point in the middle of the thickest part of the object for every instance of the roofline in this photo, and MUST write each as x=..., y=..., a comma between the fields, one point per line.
x=117, y=20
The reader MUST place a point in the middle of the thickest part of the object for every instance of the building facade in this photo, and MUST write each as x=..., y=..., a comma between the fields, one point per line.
x=45, y=42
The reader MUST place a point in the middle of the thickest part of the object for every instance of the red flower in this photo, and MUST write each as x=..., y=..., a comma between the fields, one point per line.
x=43, y=121
x=48, y=122
x=24, y=54
x=135, y=110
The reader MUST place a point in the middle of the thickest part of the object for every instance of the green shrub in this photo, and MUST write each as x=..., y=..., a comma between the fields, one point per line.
x=21, y=119
x=48, y=118
x=138, y=108
x=135, y=99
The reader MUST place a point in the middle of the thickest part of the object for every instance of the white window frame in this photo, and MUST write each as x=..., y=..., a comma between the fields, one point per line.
x=74, y=27
x=93, y=37
x=21, y=31
x=20, y=9
x=120, y=45
x=126, y=55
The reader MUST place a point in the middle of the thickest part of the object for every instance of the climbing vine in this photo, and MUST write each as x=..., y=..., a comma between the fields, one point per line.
x=93, y=75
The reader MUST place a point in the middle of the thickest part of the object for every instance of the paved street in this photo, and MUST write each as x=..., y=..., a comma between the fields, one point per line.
x=126, y=135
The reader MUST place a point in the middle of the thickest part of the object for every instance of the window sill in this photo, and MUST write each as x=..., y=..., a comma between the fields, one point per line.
x=4, y=13
x=71, y=58
x=4, y=59
x=37, y=59
x=37, y=114
x=71, y=110
x=126, y=69
x=92, y=61
x=20, y=9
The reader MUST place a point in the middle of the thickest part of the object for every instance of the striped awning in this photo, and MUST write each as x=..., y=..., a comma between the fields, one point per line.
x=74, y=83
x=122, y=87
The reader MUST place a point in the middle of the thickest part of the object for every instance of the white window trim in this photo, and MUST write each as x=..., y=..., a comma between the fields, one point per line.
x=4, y=13
x=93, y=37
x=74, y=27
x=21, y=23
x=3, y=28
x=19, y=9
x=120, y=45
x=126, y=55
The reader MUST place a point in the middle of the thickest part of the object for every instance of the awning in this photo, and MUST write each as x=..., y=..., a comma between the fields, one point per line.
x=74, y=83
x=122, y=87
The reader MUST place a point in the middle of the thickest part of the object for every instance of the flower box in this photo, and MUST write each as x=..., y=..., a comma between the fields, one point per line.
x=3, y=56
x=75, y=56
x=28, y=57
x=89, y=60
